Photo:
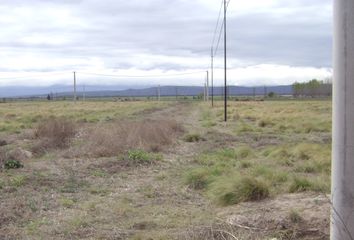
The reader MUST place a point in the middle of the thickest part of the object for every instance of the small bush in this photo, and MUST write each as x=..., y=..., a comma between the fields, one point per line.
x=198, y=178
x=300, y=185
x=112, y=139
x=193, y=138
x=243, y=152
x=239, y=190
x=55, y=132
x=265, y=123
x=295, y=216
x=245, y=164
x=12, y=164
x=140, y=156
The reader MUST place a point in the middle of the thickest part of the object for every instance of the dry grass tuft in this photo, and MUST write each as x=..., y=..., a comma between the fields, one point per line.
x=54, y=133
x=115, y=138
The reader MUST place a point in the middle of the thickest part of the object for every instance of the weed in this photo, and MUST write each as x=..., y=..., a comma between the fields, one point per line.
x=300, y=185
x=13, y=164
x=33, y=226
x=32, y=204
x=140, y=156
x=73, y=185
x=99, y=191
x=112, y=139
x=198, y=178
x=55, y=132
x=195, y=137
x=228, y=192
x=245, y=164
x=295, y=216
x=18, y=181
x=67, y=202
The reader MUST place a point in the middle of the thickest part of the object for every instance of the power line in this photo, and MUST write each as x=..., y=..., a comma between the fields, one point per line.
x=217, y=24
x=220, y=33
x=142, y=76
x=33, y=76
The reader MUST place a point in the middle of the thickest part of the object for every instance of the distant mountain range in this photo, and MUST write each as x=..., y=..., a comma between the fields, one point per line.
x=119, y=91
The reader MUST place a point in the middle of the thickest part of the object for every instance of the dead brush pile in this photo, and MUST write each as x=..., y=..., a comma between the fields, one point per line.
x=53, y=133
x=111, y=139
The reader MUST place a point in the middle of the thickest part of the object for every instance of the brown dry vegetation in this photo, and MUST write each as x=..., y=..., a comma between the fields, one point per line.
x=53, y=133
x=172, y=172
x=112, y=139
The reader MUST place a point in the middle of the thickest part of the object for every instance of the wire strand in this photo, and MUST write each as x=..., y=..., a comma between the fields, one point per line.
x=142, y=76
x=220, y=34
x=217, y=24
x=34, y=76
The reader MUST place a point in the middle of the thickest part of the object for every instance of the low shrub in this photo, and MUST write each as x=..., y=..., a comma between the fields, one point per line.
x=193, y=138
x=12, y=164
x=229, y=192
x=112, y=139
x=198, y=178
x=141, y=157
x=54, y=132
x=300, y=185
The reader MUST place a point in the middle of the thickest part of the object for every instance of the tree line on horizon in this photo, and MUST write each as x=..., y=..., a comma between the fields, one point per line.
x=313, y=88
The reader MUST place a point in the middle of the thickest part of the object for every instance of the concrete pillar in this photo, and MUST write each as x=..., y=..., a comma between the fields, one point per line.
x=342, y=224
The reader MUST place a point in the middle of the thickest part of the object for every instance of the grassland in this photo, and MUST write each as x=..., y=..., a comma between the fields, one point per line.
x=147, y=170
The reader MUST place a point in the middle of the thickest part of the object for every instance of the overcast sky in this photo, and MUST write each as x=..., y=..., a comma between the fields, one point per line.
x=269, y=41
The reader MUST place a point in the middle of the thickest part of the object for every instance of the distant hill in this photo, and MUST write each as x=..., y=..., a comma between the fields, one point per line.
x=191, y=91
x=116, y=91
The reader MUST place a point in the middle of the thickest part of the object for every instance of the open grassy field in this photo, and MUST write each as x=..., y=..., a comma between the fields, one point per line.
x=168, y=170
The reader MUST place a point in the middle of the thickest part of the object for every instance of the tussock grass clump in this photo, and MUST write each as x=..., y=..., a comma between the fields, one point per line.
x=54, y=133
x=194, y=137
x=198, y=178
x=294, y=216
x=228, y=192
x=139, y=156
x=112, y=139
x=301, y=184
x=13, y=158
x=12, y=164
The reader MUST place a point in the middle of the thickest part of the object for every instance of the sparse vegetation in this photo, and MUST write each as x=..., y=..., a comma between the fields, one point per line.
x=125, y=170
x=12, y=164
x=54, y=133
x=228, y=191
x=194, y=137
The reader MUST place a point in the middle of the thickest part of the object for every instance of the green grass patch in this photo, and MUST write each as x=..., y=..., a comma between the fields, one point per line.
x=229, y=191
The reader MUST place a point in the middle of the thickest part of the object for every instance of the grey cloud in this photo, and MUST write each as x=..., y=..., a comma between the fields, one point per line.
x=117, y=29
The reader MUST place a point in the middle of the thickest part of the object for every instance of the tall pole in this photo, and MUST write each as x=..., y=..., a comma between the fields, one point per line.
x=204, y=95
x=74, y=86
x=342, y=222
x=225, y=66
x=212, y=77
x=207, y=86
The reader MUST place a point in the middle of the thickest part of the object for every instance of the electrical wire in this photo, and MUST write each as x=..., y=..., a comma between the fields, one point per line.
x=142, y=76
x=33, y=76
x=217, y=24
x=220, y=33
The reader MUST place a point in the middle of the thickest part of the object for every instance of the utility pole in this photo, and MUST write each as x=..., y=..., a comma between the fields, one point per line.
x=212, y=76
x=207, y=86
x=204, y=97
x=225, y=66
x=74, y=86
x=342, y=222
